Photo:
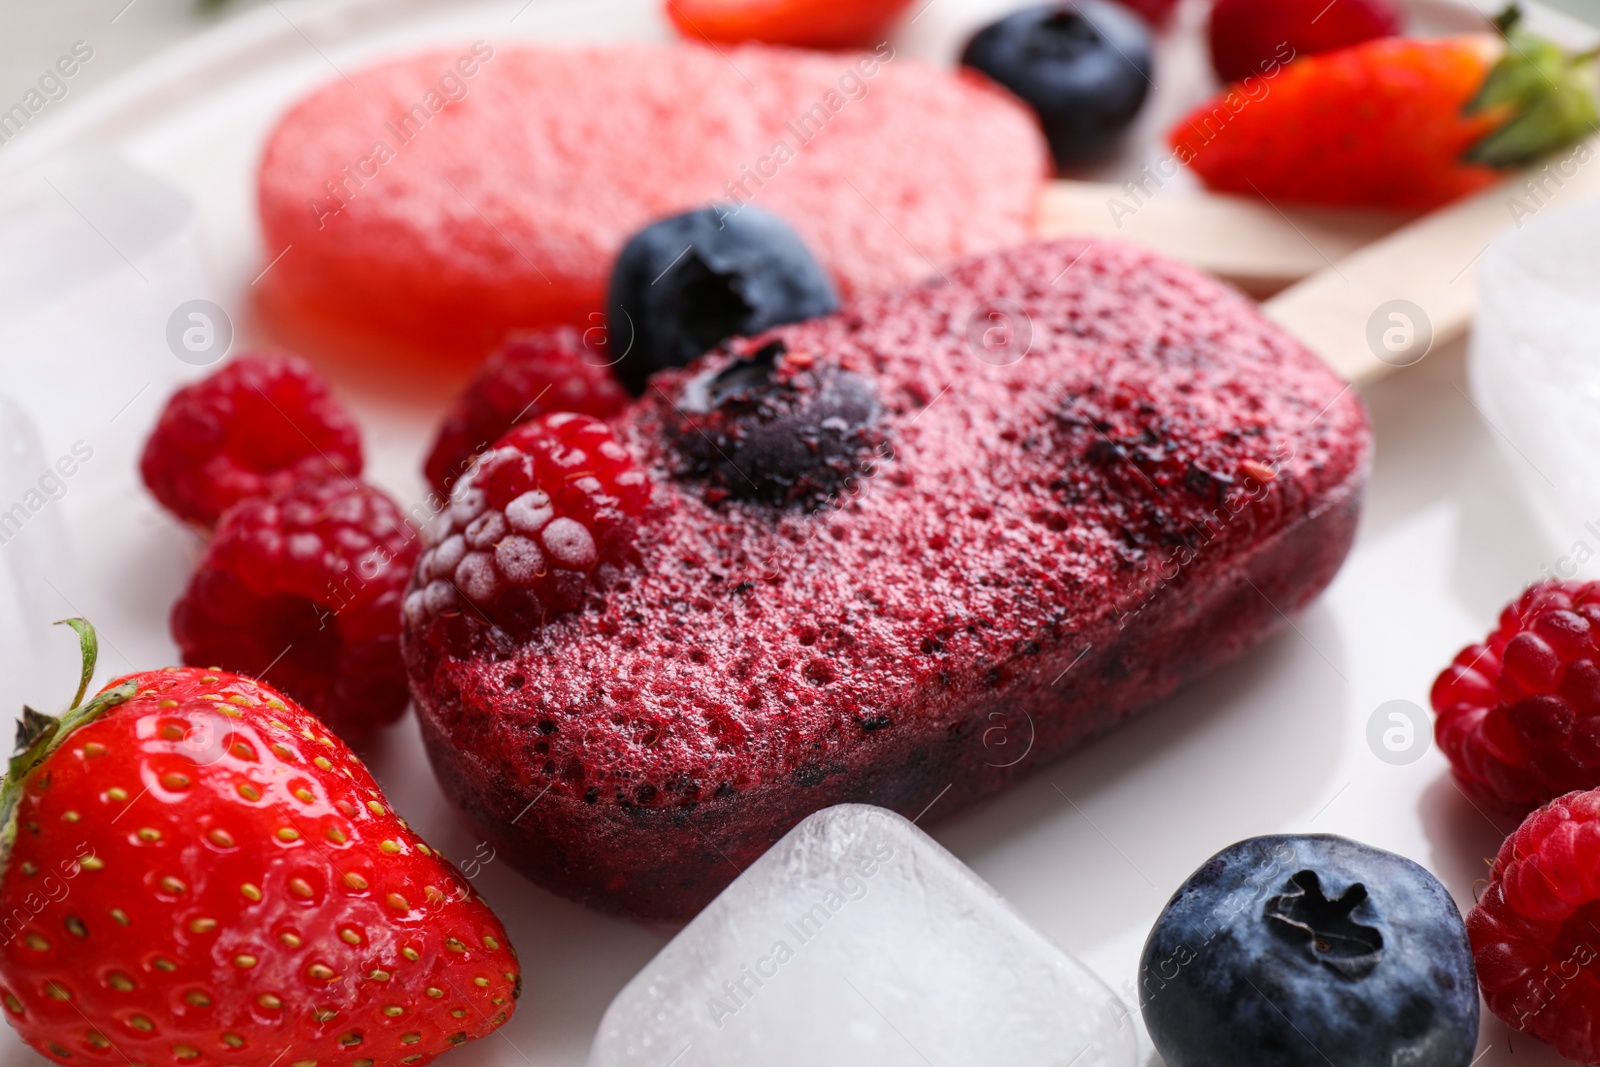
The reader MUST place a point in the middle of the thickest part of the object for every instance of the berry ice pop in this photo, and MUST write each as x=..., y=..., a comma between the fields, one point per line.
x=435, y=202
x=829, y=563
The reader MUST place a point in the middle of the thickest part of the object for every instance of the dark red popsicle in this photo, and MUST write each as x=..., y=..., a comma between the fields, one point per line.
x=1085, y=476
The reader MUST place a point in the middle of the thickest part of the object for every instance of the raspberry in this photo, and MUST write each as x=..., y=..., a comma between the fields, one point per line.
x=532, y=373
x=257, y=426
x=539, y=515
x=1533, y=930
x=303, y=588
x=1519, y=716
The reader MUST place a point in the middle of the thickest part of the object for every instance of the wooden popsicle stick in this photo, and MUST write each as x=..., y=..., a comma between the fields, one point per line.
x=1244, y=240
x=1432, y=263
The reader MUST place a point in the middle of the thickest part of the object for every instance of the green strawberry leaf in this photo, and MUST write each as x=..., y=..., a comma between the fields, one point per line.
x=1554, y=121
x=1546, y=93
x=1529, y=67
x=88, y=652
x=39, y=735
x=31, y=727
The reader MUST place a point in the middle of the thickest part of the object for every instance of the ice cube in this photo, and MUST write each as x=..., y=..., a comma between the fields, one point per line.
x=34, y=563
x=857, y=940
x=96, y=258
x=1534, y=360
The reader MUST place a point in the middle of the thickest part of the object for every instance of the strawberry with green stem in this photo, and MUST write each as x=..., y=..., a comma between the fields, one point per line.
x=196, y=873
x=1400, y=123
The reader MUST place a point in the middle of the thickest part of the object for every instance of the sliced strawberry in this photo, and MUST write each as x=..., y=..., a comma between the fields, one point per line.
x=196, y=872
x=803, y=23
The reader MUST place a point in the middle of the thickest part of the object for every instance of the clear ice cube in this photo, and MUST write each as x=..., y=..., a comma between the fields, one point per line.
x=33, y=558
x=95, y=258
x=858, y=940
x=1534, y=359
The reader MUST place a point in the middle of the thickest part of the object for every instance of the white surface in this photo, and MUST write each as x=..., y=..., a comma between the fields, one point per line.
x=1088, y=849
x=121, y=33
x=857, y=941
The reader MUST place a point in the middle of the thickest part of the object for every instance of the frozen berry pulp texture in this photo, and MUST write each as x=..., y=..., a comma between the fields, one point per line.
x=533, y=373
x=685, y=284
x=255, y=427
x=1052, y=533
x=1283, y=951
x=766, y=427
x=444, y=255
x=1533, y=929
x=304, y=589
x=1083, y=66
x=1519, y=715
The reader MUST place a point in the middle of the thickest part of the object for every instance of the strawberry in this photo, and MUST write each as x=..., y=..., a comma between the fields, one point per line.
x=1401, y=123
x=197, y=873
x=803, y=23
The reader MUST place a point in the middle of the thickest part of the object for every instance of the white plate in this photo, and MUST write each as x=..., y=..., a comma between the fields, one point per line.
x=1275, y=743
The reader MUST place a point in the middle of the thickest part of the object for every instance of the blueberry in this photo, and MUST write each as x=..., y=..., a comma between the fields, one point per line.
x=1305, y=951
x=1084, y=68
x=778, y=430
x=683, y=285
